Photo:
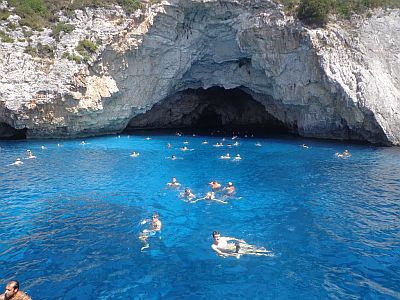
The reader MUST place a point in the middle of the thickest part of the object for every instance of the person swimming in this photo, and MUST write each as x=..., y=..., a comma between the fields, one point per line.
x=155, y=227
x=30, y=154
x=258, y=144
x=186, y=142
x=345, y=154
x=215, y=186
x=229, y=190
x=173, y=183
x=210, y=196
x=237, y=157
x=184, y=148
x=227, y=156
x=187, y=194
x=135, y=154
x=218, y=145
x=304, y=146
x=204, y=142
x=223, y=247
x=169, y=146
x=236, y=143
x=148, y=138
x=17, y=162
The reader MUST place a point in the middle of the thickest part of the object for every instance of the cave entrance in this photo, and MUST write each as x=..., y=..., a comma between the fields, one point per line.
x=9, y=133
x=204, y=111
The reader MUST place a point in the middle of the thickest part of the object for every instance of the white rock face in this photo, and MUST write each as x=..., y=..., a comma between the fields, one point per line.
x=340, y=82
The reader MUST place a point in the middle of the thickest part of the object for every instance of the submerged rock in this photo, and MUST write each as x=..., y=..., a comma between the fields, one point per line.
x=340, y=82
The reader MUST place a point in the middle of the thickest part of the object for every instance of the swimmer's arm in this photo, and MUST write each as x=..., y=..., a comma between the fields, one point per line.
x=220, y=201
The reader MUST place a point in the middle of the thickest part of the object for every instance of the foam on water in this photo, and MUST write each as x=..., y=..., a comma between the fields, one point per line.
x=69, y=219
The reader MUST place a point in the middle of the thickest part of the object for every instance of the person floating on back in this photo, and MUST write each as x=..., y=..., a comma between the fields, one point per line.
x=12, y=292
x=222, y=246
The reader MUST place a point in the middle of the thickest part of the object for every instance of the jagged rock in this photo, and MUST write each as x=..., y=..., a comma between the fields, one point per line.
x=340, y=82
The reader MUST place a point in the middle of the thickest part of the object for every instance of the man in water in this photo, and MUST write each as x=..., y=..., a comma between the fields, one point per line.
x=229, y=189
x=223, y=248
x=154, y=228
x=215, y=185
x=174, y=183
x=188, y=194
x=12, y=292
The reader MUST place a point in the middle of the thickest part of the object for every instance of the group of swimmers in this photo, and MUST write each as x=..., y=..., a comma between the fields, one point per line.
x=19, y=162
x=223, y=246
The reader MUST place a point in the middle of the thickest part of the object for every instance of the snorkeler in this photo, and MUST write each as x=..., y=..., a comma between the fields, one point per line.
x=154, y=229
x=223, y=248
x=174, y=183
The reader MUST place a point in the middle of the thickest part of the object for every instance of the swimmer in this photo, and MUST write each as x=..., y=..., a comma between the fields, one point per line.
x=173, y=157
x=258, y=144
x=229, y=145
x=193, y=134
x=169, y=146
x=58, y=145
x=234, y=137
x=135, y=154
x=174, y=183
x=346, y=153
x=304, y=146
x=229, y=190
x=210, y=196
x=178, y=134
x=204, y=142
x=186, y=142
x=148, y=138
x=218, y=145
x=184, y=148
x=43, y=147
x=224, y=248
x=236, y=143
x=188, y=194
x=237, y=157
x=82, y=143
x=17, y=162
x=152, y=231
x=119, y=136
x=12, y=292
x=227, y=156
x=215, y=186
x=30, y=154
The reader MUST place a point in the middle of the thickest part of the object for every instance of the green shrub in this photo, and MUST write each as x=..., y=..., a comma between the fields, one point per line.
x=61, y=27
x=314, y=12
x=5, y=38
x=43, y=51
x=130, y=5
x=4, y=14
x=72, y=57
x=86, y=47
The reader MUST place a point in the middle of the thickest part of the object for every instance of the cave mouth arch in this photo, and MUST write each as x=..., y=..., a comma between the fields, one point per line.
x=207, y=110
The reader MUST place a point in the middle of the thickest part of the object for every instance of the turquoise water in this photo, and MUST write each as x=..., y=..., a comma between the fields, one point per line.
x=69, y=221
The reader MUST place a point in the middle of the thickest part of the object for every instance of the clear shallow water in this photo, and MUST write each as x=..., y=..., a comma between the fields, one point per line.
x=69, y=220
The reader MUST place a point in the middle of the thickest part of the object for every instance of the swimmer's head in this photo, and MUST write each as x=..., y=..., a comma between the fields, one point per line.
x=230, y=183
x=216, y=235
x=156, y=216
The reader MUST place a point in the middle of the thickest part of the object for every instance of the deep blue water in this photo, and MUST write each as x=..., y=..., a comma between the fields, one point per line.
x=69, y=219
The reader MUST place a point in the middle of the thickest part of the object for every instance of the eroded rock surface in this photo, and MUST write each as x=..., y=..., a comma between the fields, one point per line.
x=340, y=82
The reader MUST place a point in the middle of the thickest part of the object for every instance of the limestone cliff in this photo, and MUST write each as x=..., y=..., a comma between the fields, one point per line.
x=340, y=82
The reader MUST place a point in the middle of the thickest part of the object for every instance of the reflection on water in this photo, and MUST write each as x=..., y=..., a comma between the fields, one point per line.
x=70, y=220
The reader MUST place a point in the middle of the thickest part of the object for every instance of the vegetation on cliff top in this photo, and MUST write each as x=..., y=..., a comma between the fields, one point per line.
x=315, y=12
x=41, y=13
